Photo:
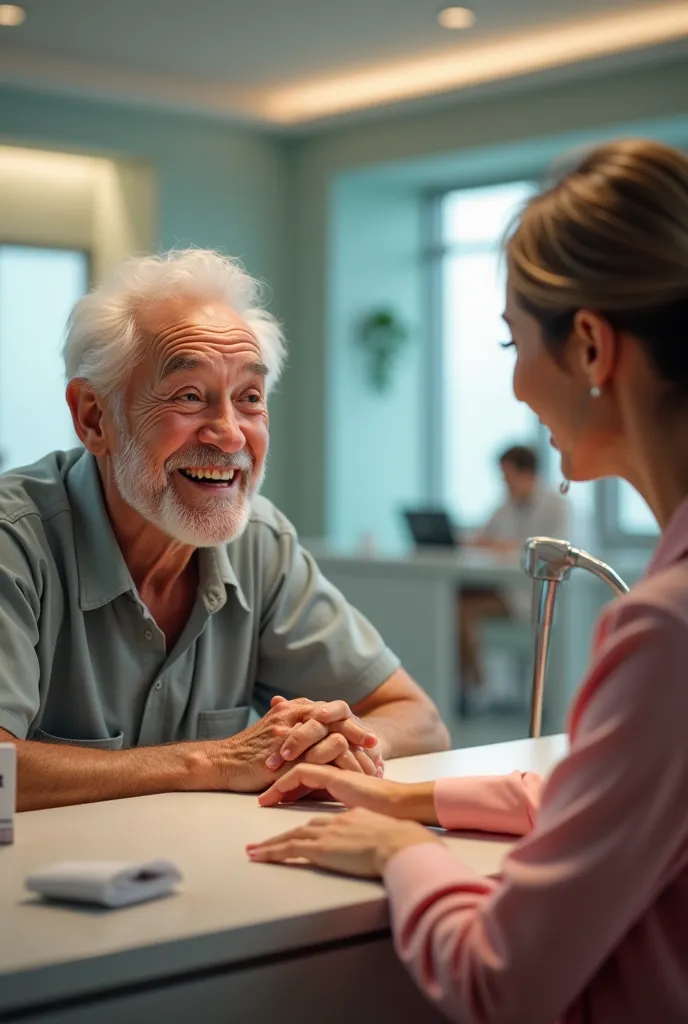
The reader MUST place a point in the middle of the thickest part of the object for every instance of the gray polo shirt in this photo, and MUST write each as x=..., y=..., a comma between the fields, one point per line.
x=82, y=661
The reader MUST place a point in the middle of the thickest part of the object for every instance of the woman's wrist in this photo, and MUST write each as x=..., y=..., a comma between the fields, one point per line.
x=413, y=802
x=401, y=837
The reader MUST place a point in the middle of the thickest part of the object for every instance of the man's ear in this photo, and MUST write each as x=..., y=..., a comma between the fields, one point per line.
x=87, y=415
x=598, y=346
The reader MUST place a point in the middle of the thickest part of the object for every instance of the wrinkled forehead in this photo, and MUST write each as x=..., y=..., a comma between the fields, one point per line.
x=174, y=321
x=182, y=332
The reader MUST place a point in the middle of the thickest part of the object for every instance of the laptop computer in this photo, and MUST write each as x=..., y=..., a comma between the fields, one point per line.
x=431, y=528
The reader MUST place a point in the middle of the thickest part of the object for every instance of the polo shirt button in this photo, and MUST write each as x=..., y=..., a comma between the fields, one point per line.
x=148, y=634
x=158, y=684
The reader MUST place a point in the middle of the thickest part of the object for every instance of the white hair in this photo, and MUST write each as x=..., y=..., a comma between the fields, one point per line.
x=103, y=341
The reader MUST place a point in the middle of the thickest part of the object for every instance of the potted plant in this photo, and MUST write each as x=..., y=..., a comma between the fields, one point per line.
x=382, y=334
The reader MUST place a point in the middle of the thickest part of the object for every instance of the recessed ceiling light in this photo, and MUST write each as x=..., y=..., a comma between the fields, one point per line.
x=456, y=17
x=510, y=56
x=11, y=14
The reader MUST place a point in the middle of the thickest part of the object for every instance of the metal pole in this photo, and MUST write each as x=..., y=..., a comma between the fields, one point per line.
x=545, y=614
x=549, y=562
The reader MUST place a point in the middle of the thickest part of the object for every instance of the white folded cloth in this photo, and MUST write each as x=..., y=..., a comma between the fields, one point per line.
x=107, y=883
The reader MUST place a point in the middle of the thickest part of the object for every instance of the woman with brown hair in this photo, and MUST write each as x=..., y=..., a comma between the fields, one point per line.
x=589, y=920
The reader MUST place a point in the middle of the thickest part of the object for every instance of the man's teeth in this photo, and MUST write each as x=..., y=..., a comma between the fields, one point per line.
x=226, y=475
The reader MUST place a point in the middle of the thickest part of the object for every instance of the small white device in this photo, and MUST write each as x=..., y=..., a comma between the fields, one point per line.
x=106, y=883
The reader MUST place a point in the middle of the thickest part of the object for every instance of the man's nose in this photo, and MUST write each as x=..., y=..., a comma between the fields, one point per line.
x=223, y=430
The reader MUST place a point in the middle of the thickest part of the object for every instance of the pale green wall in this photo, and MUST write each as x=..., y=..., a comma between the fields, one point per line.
x=375, y=442
x=345, y=198
x=217, y=186
x=497, y=137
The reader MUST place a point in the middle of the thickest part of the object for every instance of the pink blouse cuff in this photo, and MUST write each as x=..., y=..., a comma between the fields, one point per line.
x=488, y=803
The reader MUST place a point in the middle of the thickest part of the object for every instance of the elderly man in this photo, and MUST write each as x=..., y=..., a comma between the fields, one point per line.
x=148, y=598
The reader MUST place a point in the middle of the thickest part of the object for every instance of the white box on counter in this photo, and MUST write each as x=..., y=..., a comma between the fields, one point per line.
x=8, y=791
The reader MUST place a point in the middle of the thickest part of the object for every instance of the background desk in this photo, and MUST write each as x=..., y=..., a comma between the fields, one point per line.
x=240, y=942
x=411, y=600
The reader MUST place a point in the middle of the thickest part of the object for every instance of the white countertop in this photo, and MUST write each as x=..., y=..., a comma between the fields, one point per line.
x=228, y=910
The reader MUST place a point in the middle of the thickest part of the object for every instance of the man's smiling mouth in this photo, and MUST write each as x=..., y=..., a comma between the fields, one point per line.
x=210, y=477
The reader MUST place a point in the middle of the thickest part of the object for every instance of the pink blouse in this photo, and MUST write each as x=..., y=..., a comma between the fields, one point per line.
x=589, y=921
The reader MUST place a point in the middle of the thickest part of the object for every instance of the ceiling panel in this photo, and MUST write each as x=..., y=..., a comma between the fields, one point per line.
x=291, y=61
x=250, y=42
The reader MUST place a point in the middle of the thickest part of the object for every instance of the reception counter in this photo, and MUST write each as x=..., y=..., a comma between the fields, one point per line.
x=238, y=942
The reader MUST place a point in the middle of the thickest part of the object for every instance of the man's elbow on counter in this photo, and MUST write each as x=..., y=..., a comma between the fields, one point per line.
x=435, y=732
x=443, y=738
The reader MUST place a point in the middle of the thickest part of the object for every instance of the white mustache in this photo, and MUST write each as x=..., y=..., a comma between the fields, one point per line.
x=210, y=458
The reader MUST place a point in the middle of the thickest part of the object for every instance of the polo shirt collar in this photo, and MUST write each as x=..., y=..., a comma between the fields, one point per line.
x=216, y=572
x=102, y=571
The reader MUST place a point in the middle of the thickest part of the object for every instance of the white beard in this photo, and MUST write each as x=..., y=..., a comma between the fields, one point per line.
x=219, y=520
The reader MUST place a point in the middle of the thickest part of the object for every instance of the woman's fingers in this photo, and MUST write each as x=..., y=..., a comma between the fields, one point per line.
x=310, y=831
x=303, y=776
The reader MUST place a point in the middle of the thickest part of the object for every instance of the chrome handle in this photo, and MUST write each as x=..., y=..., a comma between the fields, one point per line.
x=550, y=562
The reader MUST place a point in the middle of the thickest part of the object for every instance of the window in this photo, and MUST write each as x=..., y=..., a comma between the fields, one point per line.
x=479, y=414
x=38, y=288
x=634, y=517
x=625, y=518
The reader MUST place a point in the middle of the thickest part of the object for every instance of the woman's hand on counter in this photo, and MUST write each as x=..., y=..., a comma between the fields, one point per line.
x=358, y=842
x=395, y=799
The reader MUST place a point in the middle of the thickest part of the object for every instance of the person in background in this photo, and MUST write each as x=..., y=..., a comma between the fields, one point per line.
x=150, y=596
x=531, y=509
x=589, y=919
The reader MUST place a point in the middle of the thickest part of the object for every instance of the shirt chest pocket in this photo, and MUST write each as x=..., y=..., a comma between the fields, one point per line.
x=219, y=725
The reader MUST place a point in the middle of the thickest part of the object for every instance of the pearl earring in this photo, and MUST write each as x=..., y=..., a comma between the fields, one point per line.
x=595, y=391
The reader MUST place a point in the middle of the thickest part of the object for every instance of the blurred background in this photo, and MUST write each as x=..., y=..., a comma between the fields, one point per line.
x=364, y=159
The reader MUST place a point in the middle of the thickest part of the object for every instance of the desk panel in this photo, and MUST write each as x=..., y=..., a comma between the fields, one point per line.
x=364, y=983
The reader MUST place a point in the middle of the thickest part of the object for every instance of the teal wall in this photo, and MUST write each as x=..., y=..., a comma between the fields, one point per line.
x=497, y=137
x=375, y=442
x=333, y=221
x=217, y=186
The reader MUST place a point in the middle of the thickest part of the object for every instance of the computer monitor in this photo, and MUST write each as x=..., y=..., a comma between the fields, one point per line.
x=431, y=528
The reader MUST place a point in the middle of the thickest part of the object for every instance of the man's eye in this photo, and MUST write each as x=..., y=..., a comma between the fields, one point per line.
x=188, y=397
x=253, y=399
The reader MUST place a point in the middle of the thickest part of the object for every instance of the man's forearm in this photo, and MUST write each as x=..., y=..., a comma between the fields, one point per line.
x=403, y=718
x=52, y=775
x=406, y=727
